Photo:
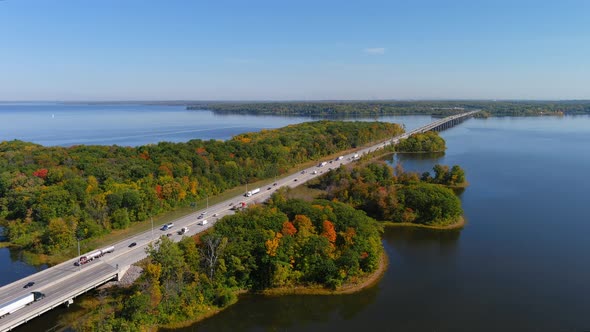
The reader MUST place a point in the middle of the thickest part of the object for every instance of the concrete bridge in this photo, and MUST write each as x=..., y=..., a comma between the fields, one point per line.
x=62, y=283
x=444, y=123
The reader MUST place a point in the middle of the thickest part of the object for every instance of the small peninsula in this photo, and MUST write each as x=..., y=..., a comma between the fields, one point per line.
x=288, y=245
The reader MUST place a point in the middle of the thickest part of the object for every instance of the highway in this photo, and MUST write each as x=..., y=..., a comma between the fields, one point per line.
x=63, y=282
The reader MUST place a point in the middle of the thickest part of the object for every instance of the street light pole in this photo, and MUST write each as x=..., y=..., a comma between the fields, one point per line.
x=79, y=265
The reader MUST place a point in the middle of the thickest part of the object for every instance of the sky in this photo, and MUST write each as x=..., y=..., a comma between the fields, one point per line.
x=293, y=50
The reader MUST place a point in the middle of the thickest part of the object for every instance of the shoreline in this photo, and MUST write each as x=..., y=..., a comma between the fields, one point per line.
x=365, y=282
x=459, y=224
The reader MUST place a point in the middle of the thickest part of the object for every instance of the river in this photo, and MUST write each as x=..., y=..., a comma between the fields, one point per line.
x=522, y=263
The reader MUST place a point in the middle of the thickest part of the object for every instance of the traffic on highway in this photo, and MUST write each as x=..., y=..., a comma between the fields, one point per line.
x=29, y=297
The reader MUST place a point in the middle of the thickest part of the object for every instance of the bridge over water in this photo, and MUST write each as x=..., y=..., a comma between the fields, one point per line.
x=62, y=283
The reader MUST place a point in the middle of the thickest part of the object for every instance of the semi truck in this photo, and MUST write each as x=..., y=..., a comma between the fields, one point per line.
x=239, y=206
x=252, y=192
x=19, y=303
x=94, y=255
x=183, y=230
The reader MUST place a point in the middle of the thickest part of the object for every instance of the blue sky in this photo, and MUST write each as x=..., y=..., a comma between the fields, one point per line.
x=294, y=50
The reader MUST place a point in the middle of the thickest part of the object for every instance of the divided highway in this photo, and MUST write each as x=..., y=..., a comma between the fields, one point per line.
x=63, y=282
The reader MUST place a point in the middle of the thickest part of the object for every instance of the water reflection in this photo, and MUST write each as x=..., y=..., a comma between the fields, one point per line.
x=408, y=242
x=254, y=312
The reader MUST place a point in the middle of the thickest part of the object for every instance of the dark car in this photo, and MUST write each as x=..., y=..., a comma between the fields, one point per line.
x=132, y=244
x=274, y=184
x=295, y=180
x=29, y=284
x=169, y=234
x=269, y=188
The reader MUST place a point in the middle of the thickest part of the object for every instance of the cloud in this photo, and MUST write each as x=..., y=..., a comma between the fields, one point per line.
x=375, y=50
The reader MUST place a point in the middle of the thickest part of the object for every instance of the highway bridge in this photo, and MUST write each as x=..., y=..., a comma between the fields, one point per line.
x=62, y=283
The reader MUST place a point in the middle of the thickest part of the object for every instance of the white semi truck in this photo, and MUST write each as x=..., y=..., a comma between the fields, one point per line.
x=19, y=303
x=252, y=192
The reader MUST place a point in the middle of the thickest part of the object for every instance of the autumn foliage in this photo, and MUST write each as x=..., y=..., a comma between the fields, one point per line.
x=41, y=173
x=288, y=228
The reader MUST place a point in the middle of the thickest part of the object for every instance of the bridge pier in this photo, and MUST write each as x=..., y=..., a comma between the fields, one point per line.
x=69, y=302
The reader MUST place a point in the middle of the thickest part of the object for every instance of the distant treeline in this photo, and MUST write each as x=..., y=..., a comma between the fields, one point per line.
x=49, y=196
x=380, y=108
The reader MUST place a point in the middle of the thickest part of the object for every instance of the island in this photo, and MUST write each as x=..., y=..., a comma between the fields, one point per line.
x=429, y=141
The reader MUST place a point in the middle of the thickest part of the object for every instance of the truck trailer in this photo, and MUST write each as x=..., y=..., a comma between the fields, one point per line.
x=94, y=255
x=19, y=303
x=253, y=192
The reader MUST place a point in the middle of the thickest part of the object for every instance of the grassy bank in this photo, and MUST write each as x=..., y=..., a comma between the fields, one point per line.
x=458, y=224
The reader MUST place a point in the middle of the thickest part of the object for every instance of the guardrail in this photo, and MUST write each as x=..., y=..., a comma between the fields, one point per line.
x=48, y=303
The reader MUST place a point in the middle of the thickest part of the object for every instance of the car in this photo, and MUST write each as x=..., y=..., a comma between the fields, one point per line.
x=274, y=184
x=232, y=203
x=302, y=172
x=215, y=214
x=295, y=180
x=29, y=284
x=169, y=234
x=132, y=244
x=269, y=188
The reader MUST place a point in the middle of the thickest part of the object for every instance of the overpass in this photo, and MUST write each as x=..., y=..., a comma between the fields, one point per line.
x=62, y=283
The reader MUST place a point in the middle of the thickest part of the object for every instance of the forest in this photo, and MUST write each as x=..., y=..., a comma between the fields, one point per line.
x=50, y=196
x=429, y=141
x=380, y=108
x=286, y=243
x=398, y=196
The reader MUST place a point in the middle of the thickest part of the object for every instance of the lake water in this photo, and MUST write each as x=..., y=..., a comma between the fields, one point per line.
x=134, y=125
x=522, y=263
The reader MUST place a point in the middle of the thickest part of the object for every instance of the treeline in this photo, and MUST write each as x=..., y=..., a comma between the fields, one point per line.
x=286, y=244
x=381, y=108
x=400, y=196
x=49, y=196
x=429, y=141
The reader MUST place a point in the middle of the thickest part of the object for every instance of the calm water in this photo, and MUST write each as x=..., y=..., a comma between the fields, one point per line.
x=521, y=264
x=133, y=125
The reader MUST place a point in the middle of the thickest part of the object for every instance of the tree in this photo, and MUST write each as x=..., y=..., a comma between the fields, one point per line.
x=329, y=231
x=214, y=246
x=288, y=229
